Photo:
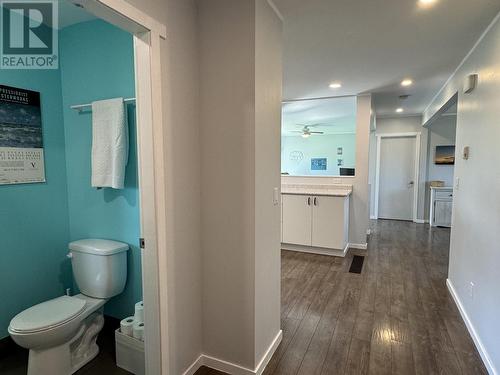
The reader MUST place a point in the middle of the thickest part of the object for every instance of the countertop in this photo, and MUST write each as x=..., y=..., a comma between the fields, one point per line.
x=442, y=187
x=326, y=190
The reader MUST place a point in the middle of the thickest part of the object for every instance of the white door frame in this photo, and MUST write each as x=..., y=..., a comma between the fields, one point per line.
x=148, y=33
x=416, y=135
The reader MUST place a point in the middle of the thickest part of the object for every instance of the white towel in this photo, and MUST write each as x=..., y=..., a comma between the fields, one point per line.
x=109, y=143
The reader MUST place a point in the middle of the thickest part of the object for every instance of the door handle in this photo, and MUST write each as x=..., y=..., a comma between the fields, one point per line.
x=315, y=201
x=411, y=183
x=308, y=201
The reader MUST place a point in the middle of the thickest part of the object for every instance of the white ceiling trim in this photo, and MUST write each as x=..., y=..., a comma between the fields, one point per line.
x=388, y=116
x=322, y=97
x=276, y=10
x=483, y=35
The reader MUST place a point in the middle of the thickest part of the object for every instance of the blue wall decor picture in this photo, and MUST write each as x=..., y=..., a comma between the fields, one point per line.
x=318, y=164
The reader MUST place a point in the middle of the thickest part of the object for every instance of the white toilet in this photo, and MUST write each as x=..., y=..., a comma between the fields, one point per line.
x=61, y=333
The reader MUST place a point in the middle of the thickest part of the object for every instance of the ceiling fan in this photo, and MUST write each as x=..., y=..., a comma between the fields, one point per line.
x=306, y=132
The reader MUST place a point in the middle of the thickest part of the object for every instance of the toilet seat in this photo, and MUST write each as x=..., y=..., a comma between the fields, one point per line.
x=47, y=315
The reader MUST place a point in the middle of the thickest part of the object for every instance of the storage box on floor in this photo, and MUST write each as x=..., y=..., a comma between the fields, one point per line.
x=130, y=353
x=129, y=341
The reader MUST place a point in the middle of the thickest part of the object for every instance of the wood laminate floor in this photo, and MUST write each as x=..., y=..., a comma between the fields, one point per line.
x=396, y=317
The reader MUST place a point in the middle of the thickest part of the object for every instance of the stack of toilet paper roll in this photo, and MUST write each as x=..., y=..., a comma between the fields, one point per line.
x=134, y=325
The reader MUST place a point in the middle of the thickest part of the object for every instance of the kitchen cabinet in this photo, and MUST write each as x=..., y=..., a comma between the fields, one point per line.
x=312, y=222
x=441, y=206
x=297, y=217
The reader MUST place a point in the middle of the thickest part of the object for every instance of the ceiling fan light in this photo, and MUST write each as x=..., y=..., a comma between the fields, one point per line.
x=306, y=135
x=406, y=82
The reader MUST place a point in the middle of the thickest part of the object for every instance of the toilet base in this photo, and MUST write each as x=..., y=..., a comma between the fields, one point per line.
x=68, y=358
x=56, y=361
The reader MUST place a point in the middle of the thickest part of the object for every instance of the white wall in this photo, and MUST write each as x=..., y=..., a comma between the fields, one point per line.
x=359, y=204
x=402, y=125
x=240, y=77
x=475, y=238
x=182, y=144
x=321, y=146
x=227, y=66
x=268, y=85
x=372, y=166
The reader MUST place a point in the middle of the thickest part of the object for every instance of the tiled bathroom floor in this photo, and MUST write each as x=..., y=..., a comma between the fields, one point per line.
x=14, y=359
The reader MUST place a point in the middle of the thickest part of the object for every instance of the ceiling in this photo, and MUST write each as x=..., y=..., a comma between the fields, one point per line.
x=331, y=116
x=372, y=45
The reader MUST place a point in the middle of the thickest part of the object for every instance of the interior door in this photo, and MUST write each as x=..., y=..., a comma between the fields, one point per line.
x=396, y=178
x=297, y=215
x=327, y=229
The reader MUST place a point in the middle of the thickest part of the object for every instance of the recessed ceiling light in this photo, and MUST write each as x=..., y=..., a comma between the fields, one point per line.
x=406, y=82
x=335, y=85
x=399, y=110
x=425, y=3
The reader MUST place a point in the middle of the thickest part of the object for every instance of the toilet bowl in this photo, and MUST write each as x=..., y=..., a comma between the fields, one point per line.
x=61, y=333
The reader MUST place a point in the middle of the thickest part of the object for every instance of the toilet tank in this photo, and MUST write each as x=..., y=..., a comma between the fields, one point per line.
x=99, y=266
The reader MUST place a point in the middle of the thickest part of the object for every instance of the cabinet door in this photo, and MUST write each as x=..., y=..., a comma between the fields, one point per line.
x=442, y=213
x=297, y=212
x=328, y=221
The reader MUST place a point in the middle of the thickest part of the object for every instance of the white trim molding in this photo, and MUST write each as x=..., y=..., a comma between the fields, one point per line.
x=359, y=246
x=276, y=10
x=470, y=327
x=416, y=176
x=315, y=250
x=232, y=368
x=420, y=221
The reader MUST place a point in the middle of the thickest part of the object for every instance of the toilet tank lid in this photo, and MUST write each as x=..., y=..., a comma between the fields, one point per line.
x=98, y=246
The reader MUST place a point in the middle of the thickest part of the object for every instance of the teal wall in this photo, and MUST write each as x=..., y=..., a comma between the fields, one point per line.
x=34, y=230
x=318, y=146
x=97, y=62
x=38, y=220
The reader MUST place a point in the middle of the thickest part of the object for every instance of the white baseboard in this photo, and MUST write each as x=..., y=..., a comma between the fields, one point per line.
x=315, y=250
x=194, y=366
x=234, y=369
x=372, y=217
x=360, y=246
x=475, y=337
x=269, y=353
x=420, y=221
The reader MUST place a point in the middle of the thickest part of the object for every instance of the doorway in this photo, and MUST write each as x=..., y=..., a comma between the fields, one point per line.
x=397, y=168
x=147, y=36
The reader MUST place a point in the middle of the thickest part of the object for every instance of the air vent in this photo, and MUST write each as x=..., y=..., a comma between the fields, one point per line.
x=357, y=264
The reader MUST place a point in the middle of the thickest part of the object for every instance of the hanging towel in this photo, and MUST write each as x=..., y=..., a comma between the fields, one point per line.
x=109, y=143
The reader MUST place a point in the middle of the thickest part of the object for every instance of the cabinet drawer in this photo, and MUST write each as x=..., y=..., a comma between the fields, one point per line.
x=444, y=194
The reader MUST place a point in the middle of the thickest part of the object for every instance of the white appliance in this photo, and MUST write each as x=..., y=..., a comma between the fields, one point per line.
x=61, y=333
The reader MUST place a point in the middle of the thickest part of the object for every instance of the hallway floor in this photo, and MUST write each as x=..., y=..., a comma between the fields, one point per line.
x=396, y=317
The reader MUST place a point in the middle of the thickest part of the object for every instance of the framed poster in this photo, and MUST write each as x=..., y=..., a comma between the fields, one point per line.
x=445, y=155
x=21, y=144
